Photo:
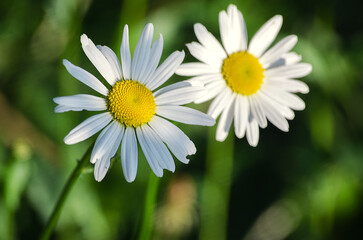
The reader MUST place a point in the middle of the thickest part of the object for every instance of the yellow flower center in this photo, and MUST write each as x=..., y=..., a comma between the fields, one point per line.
x=131, y=103
x=243, y=73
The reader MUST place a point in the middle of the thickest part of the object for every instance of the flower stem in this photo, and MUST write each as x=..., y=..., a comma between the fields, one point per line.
x=216, y=187
x=52, y=221
x=149, y=207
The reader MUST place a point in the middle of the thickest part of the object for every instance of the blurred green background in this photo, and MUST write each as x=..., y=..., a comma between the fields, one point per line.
x=305, y=184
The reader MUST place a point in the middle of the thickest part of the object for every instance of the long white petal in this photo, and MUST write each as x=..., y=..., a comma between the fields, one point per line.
x=98, y=59
x=225, y=121
x=88, y=128
x=79, y=102
x=156, y=51
x=288, y=99
x=161, y=152
x=165, y=70
x=142, y=52
x=252, y=132
x=204, y=55
x=180, y=96
x=290, y=85
x=125, y=54
x=209, y=41
x=112, y=59
x=265, y=36
x=148, y=152
x=219, y=103
x=289, y=71
x=101, y=168
x=241, y=115
x=280, y=48
x=174, y=86
x=179, y=143
x=107, y=140
x=257, y=112
x=213, y=89
x=129, y=154
x=185, y=115
x=289, y=58
x=85, y=77
x=283, y=110
x=195, y=69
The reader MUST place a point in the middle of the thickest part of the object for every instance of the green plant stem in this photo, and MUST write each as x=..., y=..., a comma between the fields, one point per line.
x=216, y=187
x=63, y=197
x=149, y=207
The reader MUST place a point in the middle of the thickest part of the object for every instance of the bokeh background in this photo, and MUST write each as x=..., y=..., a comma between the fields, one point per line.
x=304, y=184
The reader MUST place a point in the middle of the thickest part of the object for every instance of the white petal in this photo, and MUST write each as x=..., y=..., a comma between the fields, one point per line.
x=252, y=132
x=207, y=78
x=204, y=55
x=265, y=36
x=80, y=102
x=108, y=141
x=178, y=143
x=148, y=152
x=113, y=60
x=286, y=59
x=142, y=52
x=165, y=70
x=97, y=59
x=209, y=41
x=225, y=121
x=161, y=152
x=125, y=54
x=288, y=99
x=101, y=168
x=180, y=96
x=85, y=77
x=289, y=71
x=283, y=110
x=196, y=68
x=273, y=115
x=129, y=154
x=219, y=103
x=241, y=113
x=185, y=115
x=280, y=48
x=88, y=128
x=173, y=86
x=214, y=88
x=156, y=50
x=257, y=111
x=290, y=85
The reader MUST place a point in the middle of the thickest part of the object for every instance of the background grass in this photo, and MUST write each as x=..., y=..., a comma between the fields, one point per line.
x=305, y=184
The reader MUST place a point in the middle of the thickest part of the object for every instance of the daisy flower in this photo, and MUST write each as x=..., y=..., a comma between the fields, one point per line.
x=133, y=112
x=249, y=83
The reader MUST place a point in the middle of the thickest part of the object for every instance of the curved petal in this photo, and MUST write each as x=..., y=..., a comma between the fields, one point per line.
x=252, y=132
x=129, y=154
x=265, y=36
x=204, y=55
x=98, y=59
x=289, y=58
x=79, y=102
x=149, y=154
x=209, y=41
x=213, y=89
x=288, y=99
x=165, y=70
x=150, y=67
x=180, y=96
x=113, y=60
x=219, y=103
x=142, y=52
x=179, y=143
x=85, y=77
x=285, y=111
x=280, y=48
x=289, y=71
x=196, y=69
x=257, y=112
x=108, y=141
x=101, y=168
x=225, y=121
x=185, y=115
x=290, y=85
x=125, y=54
x=88, y=128
x=241, y=113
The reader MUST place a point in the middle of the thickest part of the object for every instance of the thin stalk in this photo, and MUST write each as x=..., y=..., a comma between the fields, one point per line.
x=149, y=207
x=216, y=187
x=52, y=221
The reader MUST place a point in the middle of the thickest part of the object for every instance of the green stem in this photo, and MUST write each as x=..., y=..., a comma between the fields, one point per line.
x=149, y=207
x=63, y=197
x=216, y=187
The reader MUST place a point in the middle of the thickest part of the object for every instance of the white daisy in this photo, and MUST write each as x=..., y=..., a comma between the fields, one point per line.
x=133, y=111
x=248, y=83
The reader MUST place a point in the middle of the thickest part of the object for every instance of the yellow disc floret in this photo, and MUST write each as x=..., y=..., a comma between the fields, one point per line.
x=131, y=103
x=243, y=73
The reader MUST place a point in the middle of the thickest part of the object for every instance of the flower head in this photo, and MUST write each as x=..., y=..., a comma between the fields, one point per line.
x=133, y=112
x=249, y=83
